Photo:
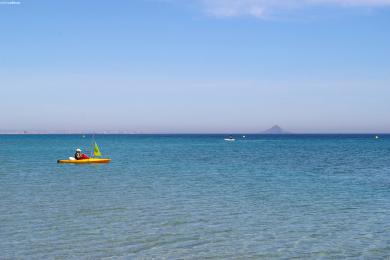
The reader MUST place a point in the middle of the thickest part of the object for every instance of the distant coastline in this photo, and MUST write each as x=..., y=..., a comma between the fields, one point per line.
x=274, y=130
x=182, y=133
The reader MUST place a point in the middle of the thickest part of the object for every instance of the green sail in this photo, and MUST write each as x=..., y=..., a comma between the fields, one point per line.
x=96, y=151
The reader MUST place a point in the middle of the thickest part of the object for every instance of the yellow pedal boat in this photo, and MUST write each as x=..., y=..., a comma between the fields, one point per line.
x=83, y=161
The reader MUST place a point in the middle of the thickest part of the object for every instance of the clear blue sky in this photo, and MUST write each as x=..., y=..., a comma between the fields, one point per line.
x=196, y=65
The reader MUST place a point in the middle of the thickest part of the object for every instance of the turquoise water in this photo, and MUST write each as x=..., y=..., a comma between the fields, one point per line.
x=196, y=197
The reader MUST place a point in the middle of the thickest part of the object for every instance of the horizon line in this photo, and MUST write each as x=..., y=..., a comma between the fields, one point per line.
x=183, y=133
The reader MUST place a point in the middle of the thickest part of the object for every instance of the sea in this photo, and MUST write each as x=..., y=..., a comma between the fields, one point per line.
x=196, y=197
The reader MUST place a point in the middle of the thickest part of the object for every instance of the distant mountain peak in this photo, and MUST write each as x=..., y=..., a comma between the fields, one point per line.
x=275, y=130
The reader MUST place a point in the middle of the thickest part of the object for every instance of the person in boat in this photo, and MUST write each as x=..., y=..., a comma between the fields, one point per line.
x=80, y=156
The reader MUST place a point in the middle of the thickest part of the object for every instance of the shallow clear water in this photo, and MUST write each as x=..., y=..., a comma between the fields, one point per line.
x=196, y=197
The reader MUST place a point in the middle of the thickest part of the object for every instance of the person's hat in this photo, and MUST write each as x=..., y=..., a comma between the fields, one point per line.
x=78, y=150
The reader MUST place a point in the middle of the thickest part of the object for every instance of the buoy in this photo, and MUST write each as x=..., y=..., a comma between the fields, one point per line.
x=376, y=137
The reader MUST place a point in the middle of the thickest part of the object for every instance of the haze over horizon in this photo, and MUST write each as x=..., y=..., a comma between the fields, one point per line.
x=201, y=67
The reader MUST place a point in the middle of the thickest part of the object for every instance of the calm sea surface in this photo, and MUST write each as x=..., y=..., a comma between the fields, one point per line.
x=196, y=197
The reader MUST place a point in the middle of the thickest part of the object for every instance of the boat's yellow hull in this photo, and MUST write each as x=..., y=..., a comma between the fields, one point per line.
x=83, y=161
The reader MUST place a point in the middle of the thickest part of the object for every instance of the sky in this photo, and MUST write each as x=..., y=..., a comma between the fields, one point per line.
x=195, y=66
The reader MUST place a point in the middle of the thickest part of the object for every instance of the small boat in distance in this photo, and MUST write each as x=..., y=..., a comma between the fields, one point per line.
x=230, y=139
x=96, y=153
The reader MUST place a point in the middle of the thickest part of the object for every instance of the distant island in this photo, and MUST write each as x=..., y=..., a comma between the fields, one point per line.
x=275, y=130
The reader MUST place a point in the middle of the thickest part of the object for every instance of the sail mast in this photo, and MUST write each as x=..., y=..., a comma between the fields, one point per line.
x=93, y=145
